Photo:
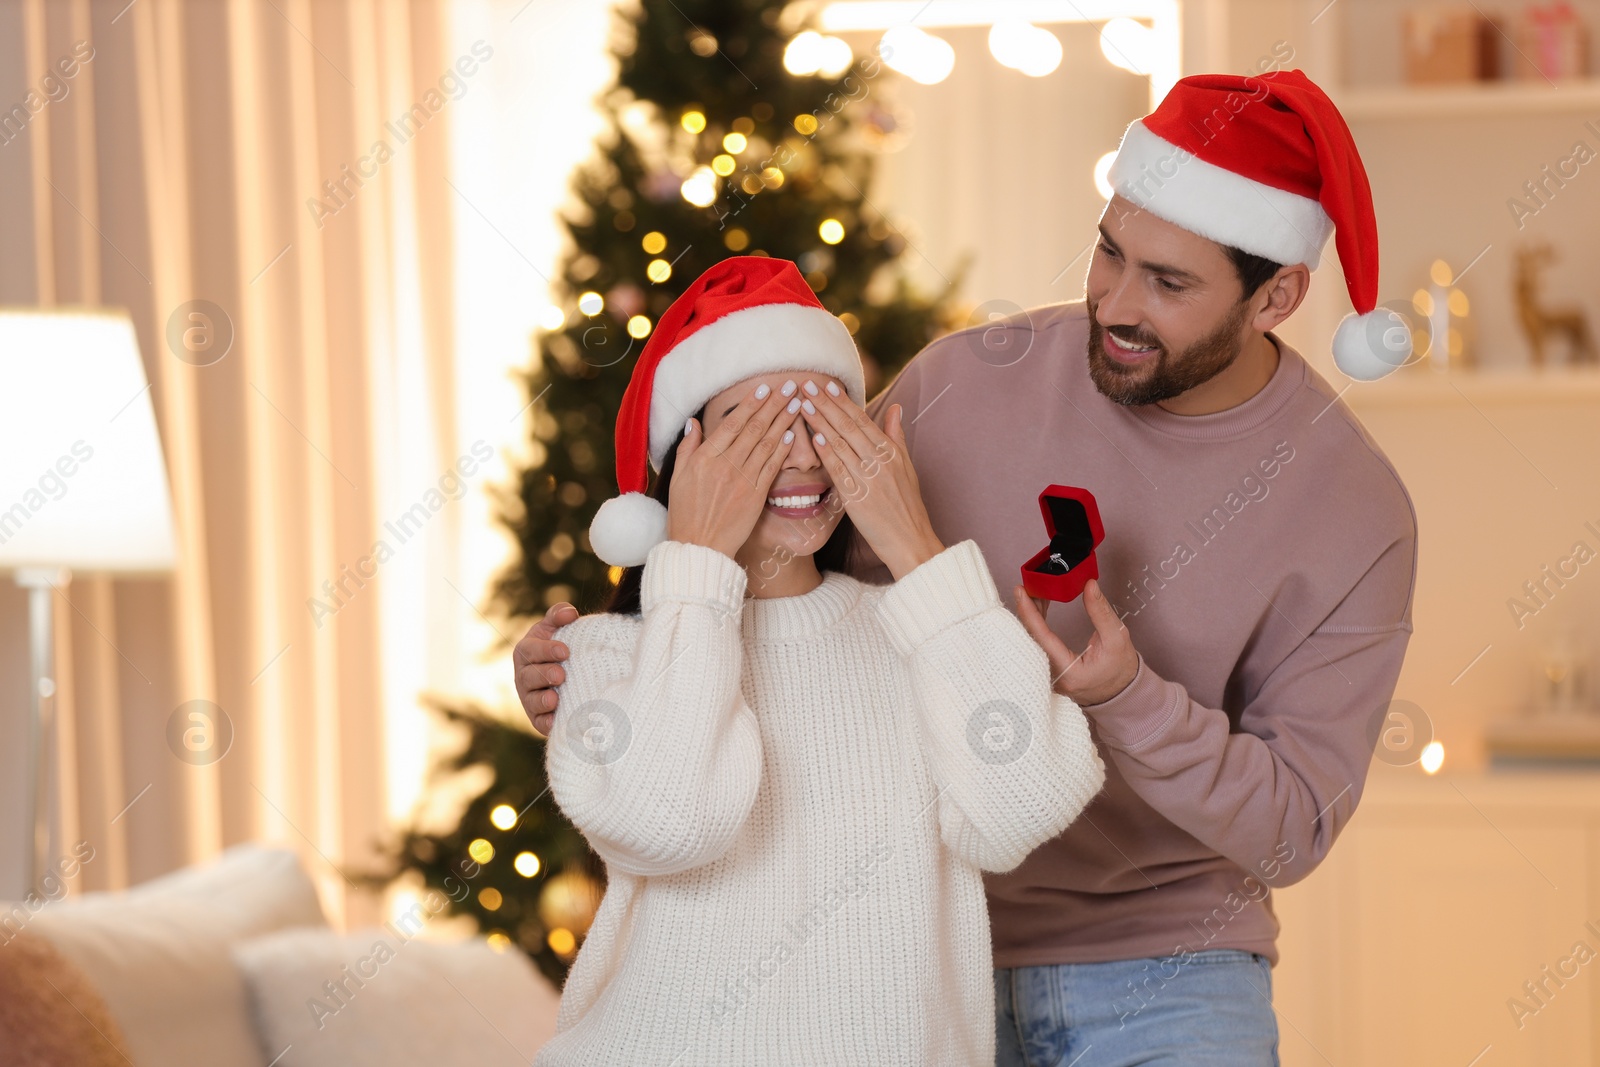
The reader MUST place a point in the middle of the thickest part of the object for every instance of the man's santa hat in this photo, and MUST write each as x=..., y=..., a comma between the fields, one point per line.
x=1266, y=164
x=746, y=315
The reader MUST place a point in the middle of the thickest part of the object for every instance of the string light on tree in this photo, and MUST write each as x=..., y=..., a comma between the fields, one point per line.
x=700, y=188
x=504, y=816
x=658, y=271
x=831, y=231
x=552, y=318
x=654, y=242
x=591, y=303
x=702, y=44
x=693, y=121
x=568, y=902
x=639, y=327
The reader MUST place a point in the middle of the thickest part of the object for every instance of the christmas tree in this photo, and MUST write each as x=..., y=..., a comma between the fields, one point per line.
x=729, y=131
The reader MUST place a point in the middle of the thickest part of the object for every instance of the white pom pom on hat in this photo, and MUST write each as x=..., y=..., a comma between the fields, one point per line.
x=746, y=315
x=1266, y=163
x=1366, y=347
x=626, y=528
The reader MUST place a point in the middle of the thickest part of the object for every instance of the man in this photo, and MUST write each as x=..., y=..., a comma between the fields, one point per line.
x=1257, y=570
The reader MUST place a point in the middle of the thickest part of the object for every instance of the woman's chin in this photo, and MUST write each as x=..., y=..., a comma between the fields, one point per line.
x=776, y=537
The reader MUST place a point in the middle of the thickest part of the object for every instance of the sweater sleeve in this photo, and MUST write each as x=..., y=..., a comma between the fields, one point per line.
x=1013, y=760
x=655, y=755
x=1275, y=793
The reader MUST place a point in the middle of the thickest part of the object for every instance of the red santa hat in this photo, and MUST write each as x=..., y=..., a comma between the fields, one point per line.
x=1266, y=164
x=746, y=315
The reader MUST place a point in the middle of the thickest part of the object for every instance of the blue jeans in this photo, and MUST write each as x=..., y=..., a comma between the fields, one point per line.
x=1213, y=1008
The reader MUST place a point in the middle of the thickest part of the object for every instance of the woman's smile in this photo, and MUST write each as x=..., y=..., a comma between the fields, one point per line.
x=801, y=501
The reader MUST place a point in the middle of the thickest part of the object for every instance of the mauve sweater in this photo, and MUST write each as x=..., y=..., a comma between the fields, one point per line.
x=1263, y=559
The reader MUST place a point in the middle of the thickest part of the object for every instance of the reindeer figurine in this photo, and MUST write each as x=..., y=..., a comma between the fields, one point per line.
x=1539, y=321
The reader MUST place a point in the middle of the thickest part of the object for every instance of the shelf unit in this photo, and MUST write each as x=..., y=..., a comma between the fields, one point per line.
x=1551, y=386
x=1476, y=145
x=1324, y=27
x=1471, y=100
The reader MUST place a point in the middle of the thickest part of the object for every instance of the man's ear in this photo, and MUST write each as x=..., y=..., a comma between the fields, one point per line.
x=1278, y=298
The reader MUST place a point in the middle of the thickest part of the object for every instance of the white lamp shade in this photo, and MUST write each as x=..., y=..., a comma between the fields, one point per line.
x=82, y=481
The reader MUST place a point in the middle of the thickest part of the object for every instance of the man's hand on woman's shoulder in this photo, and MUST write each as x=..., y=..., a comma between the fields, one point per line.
x=536, y=662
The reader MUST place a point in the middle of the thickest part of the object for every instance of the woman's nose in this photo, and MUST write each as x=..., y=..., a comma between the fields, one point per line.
x=802, y=453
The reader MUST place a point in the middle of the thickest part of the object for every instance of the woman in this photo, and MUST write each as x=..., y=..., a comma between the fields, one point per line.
x=794, y=778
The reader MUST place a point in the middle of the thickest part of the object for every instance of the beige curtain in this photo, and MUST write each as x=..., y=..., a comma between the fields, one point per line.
x=183, y=163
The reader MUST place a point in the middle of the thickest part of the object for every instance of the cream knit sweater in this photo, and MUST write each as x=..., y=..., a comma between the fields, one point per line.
x=794, y=797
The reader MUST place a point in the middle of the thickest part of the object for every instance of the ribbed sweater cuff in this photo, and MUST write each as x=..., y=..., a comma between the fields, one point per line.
x=1134, y=716
x=678, y=570
x=937, y=594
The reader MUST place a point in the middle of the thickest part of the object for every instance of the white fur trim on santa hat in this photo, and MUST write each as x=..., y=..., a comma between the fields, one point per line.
x=756, y=340
x=1366, y=347
x=626, y=528
x=1174, y=184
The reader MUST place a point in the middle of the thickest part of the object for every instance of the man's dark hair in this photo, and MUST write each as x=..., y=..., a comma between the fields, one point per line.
x=1253, y=270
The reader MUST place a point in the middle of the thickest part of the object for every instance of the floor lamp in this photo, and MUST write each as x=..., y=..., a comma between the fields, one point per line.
x=83, y=487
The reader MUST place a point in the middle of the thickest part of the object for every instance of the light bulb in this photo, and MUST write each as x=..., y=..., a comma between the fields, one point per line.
x=917, y=54
x=804, y=53
x=835, y=58
x=1023, y=46
x=1432, y=757
x=1127, y=44
x=1102, y=174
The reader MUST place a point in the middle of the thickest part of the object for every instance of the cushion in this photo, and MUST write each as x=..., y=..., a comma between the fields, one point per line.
x=50, y=1015
x=376, y=998
x=158, y=952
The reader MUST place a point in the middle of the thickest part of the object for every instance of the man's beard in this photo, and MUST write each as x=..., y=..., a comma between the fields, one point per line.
x=1167, y=375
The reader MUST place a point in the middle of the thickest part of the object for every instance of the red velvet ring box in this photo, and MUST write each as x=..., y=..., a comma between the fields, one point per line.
x=1060, y=569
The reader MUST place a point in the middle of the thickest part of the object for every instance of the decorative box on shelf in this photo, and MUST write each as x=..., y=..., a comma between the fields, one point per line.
x=1450, y=45
x=1552, y=44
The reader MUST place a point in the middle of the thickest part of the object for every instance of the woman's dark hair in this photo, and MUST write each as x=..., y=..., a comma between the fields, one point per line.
x=1253, y=270
x=833, y=555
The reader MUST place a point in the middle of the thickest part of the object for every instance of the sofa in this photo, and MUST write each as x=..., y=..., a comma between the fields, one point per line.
x=233, y=964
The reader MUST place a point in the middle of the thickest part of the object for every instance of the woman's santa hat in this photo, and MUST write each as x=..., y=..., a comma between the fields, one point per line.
x=1266, y=164
x=746, y=315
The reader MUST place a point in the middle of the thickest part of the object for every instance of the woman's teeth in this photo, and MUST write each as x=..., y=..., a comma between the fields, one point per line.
x=795, y=501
